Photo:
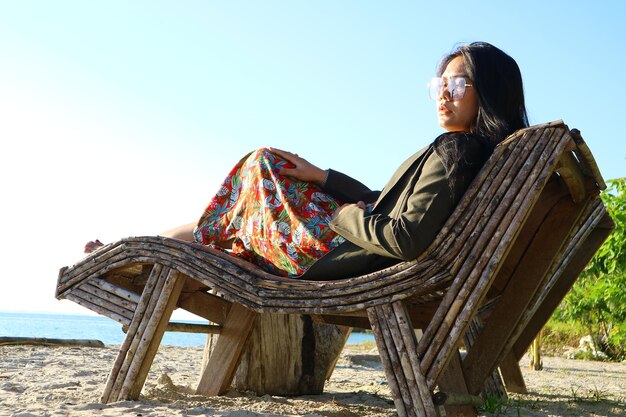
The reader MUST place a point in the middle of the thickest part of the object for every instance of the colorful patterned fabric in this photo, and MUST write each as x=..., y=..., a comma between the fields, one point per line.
x=276, y=222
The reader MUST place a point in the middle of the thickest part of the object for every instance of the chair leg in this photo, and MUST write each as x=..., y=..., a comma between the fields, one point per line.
x=222, y=364
x=512, y=375
x=397, y=346
x=158, y=301
x=494, y=385
x=452, y=380
x=346, y=333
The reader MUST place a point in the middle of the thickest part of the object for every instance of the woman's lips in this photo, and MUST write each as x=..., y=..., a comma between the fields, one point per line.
x=443, y=110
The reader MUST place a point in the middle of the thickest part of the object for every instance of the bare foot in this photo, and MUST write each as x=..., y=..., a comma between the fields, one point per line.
x=92, y=246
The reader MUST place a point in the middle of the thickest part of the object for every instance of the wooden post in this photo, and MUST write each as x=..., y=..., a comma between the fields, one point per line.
x=452, y=381
x=512, y=375
x=218, y=373
x=535, y=362
x=494, y=386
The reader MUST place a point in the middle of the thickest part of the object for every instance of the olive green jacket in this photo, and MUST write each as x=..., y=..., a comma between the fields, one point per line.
x=407, y=216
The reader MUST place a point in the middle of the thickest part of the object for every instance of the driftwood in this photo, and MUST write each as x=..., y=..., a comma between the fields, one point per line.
x=43, y=341
x=507, y=255
x=286, y=354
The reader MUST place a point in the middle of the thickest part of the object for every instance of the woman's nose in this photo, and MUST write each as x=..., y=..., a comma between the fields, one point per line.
x=443, y=92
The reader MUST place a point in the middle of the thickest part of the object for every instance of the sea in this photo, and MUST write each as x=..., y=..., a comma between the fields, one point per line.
x=66, y=326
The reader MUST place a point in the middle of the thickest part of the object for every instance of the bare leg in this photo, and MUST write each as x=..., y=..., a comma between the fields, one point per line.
x=184, y=232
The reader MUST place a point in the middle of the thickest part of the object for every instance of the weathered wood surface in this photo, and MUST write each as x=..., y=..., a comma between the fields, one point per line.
x=44, y=341
x=586, y=236
x=453, y=392
x=285, y=354
x=512, y=375
x=397, y=343
x=526, y=281
x=222, y=364
x=193, y=328
x=144, y=335
x=494, y=385
x=496, y=249
x=590, y=234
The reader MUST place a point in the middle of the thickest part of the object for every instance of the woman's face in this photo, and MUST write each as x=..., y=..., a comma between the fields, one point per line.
x=459, y=114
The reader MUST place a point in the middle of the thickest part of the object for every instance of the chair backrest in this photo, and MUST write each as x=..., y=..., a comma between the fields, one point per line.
x=508, y=239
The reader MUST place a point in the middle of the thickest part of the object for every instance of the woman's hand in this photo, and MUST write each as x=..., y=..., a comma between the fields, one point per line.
x=303, y=170
x=359, y=204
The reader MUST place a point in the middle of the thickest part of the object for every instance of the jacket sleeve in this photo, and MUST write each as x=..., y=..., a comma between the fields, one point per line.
x=348, y=190
x=412, y=227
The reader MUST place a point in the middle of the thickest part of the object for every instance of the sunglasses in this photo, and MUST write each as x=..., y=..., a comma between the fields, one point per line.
x=452, y=88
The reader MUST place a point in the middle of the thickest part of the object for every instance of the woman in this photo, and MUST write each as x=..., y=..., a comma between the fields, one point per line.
x=292, y=218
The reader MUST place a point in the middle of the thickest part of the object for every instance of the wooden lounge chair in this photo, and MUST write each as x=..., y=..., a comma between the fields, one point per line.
x=507, y=255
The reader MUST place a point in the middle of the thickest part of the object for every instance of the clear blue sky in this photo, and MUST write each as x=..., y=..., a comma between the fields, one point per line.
x=120, y=118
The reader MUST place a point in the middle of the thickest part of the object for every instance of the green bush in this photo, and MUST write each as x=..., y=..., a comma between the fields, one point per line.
x=598, y=299
x=558, y=334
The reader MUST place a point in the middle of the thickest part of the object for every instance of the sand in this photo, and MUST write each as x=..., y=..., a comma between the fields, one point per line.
x=37, y=381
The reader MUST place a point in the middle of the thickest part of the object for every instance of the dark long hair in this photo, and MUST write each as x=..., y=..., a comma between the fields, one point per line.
x=498, y=84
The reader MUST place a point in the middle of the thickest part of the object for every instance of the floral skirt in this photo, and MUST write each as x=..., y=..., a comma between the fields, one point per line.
x=274, y=221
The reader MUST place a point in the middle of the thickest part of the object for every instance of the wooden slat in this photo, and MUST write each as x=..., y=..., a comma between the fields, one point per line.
x=551, y=194
x=150, y=302
x=97, y=308
x=193, y=328
x=113, y=289
x=342, y=320
x=570, y=173
x=114, y=301
x=208, y=306
x=395, y=337
x=87, y=268
x=398, y=355
x=587, y=159
x=219, y=371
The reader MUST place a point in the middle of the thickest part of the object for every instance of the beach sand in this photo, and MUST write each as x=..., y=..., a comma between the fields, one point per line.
x=37, y=381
